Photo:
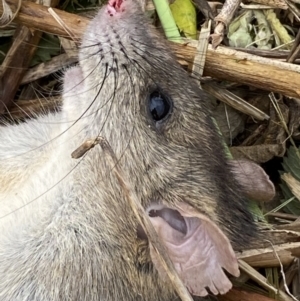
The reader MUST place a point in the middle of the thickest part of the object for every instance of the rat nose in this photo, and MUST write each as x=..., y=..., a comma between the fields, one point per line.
x=115, y=6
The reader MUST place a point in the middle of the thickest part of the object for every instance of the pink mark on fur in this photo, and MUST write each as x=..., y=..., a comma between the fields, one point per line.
x=115, y=6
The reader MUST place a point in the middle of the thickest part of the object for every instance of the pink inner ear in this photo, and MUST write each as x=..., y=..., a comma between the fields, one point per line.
x=198, y=249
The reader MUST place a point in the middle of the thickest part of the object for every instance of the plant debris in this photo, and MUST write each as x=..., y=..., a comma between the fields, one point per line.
x=246, y=57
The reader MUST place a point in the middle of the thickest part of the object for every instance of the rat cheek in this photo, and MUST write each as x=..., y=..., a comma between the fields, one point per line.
x=198, y=249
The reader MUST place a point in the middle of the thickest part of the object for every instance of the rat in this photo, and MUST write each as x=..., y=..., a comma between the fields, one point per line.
x=67, y=230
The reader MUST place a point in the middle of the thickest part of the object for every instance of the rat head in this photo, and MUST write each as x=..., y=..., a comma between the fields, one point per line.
x=131, y=91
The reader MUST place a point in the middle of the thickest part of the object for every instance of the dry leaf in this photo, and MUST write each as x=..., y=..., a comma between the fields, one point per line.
x=230, y=121
x=278, y=28
x=258, y=153
x=239, y=30
x=263, y=37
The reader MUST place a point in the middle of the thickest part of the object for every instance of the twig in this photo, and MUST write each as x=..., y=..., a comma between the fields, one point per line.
x=7, y=16
x=234, y=101
x=222, y=63
x=256, y=276
x=282, y=273
x=63, y=25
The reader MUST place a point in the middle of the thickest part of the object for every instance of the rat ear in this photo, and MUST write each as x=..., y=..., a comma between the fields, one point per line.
x=198, y=249
x=256, y=183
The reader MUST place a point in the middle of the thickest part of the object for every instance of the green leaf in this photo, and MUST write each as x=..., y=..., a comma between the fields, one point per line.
x=184, y=14
x=167, y=20
x=49, y=46
x=278, y=28
x=239, y=31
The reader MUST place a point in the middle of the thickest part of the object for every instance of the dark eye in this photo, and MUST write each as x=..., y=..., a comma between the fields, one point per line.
x=159, y=106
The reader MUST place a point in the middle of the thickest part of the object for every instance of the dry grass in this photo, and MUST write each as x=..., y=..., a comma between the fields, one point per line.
x=261, y=127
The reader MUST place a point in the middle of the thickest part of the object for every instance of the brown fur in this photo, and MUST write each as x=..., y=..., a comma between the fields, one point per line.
x=75, y=236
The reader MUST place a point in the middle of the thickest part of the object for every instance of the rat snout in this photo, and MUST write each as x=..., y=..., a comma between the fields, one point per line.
x=115, y=6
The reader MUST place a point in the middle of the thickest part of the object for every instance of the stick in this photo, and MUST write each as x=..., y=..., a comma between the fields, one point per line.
x=222, y=63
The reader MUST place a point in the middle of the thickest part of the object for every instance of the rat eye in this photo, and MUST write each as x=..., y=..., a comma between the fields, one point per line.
x=159, y=106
